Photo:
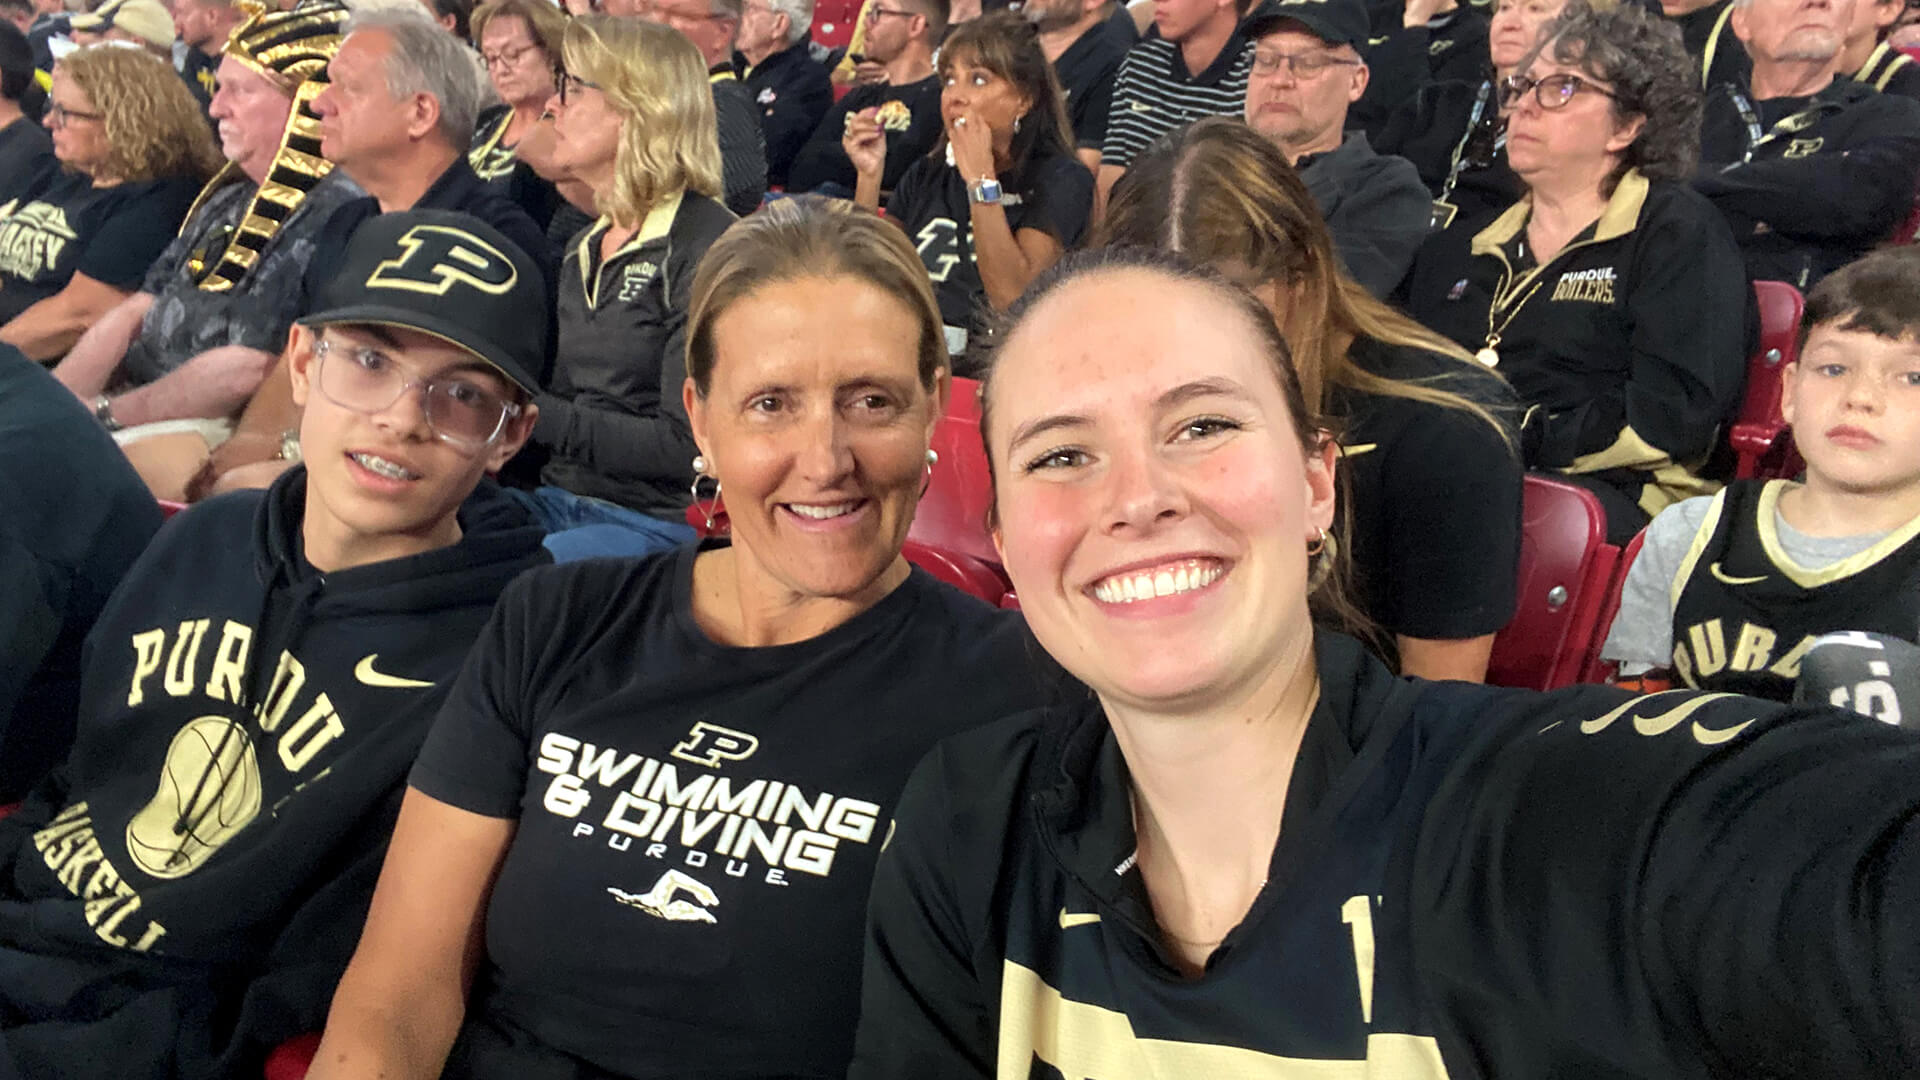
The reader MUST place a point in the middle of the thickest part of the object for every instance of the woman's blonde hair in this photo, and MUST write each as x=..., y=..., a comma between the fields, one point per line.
x=657, y=81
x=1221, y=193
x=154, y=127
x=803, y=237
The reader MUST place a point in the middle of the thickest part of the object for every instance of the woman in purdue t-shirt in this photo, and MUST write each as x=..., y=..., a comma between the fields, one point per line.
x=1000, y=199
x=644, y=826
x=1432, y=520
x=135, y=150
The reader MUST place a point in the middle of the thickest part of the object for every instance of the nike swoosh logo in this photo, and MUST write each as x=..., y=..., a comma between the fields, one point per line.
x=1068, y=922
x=1721, y=576
x=1359, y=448
x=365, y=673
x=1139, y=106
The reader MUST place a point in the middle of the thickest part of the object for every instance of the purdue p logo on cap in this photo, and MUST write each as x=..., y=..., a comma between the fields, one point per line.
x=449, y=275
x=434, y=258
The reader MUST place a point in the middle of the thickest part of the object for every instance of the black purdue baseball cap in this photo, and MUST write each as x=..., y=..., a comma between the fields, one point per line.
x=1336, y=22
x=446, y=274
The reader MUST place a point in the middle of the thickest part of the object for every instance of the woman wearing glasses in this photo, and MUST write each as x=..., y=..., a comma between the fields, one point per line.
x=999, y=200
x=633, y=120
x=1455, y=132
x=1610, y=296
x=135, y=150
x=519, y=42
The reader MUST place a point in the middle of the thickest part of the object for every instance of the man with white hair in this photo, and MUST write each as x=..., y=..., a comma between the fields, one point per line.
x=396, y=116
x=791, y=90
x=194, y=342
x=1812, y=170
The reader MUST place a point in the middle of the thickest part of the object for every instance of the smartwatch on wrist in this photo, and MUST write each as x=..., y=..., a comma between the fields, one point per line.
x=984, y=190
x=103, y=412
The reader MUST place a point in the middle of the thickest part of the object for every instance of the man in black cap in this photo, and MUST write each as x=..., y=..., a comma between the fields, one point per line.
x=1306, y=72
x=182, y=895
x=26, y=150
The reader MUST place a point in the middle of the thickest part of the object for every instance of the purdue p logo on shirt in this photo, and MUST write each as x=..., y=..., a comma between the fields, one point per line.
x=434, y=258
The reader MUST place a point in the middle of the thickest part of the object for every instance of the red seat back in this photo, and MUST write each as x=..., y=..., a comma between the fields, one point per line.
x=963, y=572
x=291, y=1059
x=953, y=512
x=833, y=22
x=1598, y=670
x=1566, y=574
x=1759, y=437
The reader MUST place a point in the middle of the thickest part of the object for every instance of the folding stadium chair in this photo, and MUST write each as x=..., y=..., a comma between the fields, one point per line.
x=1566, y=576
x=963, y=572
x=1759, y=437
x=953, y=512
x=291, y=1059
x=833, y=22
x=1598, y=670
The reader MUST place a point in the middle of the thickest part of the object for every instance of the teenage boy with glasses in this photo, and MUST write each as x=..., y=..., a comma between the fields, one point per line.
x=183, y=894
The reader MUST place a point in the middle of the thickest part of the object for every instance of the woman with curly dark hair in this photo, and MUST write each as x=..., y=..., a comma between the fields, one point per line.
x=1611, y=296
x=1002, y=196
x=134, y=151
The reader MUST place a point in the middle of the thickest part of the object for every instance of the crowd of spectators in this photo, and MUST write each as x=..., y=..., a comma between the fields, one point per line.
x=1274, y=312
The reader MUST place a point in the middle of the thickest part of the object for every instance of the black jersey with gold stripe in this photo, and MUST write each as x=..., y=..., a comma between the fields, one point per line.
x=1890, y=71
x=1469, y=882
x=1744, y=612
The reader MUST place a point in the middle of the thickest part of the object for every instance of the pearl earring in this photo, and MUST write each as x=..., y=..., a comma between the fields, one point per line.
x=933, y=457
x=699, y=464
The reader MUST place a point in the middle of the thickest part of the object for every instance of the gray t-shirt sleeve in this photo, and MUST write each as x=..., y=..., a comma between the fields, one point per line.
x=1642, y=635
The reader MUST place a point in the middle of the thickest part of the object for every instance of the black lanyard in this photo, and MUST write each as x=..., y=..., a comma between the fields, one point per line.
x=1460, y=148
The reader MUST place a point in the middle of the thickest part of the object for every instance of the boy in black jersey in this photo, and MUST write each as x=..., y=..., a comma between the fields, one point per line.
x=183, y=893
x=1730, y=590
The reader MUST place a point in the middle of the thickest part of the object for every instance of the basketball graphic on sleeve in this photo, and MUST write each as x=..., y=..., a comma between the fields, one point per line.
x=209, y=790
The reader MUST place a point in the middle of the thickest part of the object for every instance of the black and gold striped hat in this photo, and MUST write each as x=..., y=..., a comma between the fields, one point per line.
x=291, y=49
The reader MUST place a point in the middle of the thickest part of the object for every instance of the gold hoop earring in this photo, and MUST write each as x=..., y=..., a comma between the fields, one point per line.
x=1322, y=552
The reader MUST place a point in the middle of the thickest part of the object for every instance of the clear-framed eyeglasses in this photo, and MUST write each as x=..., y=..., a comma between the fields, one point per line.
x=460, y=410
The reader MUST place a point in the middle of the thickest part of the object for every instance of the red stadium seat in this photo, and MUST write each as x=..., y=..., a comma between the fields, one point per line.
x=1598, y=670
x=963, y=572
x=1566, y=576
x=833, y=22
x=1759, y=437
x=953, y=512
x=291, y=1059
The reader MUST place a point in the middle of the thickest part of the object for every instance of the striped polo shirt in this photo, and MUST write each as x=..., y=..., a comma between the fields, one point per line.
x=1154, y=93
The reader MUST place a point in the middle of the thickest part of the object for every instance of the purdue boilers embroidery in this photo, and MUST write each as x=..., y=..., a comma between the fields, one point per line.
x=434, y=258
x=691, y=813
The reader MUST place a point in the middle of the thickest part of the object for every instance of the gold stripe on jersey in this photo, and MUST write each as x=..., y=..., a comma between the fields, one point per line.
x=1694, y=551
x=658, y=222
x=1088, y=1042
x=1765, y=507
x=1871, y=72
x=1713, y=46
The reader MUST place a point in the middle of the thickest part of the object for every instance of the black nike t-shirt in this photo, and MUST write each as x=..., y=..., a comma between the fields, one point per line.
x=698, y=823
x=1053, y=194
x=109, y=234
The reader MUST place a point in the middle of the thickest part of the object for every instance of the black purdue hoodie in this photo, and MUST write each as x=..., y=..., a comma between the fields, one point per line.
x=185, y=893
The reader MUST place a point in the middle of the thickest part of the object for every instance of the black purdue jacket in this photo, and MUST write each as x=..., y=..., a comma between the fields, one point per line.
x=1471, y=882
x=185, y=893
x=1831, y=177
